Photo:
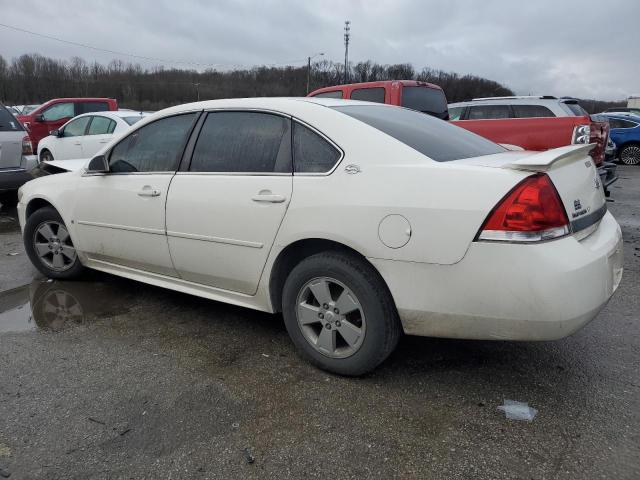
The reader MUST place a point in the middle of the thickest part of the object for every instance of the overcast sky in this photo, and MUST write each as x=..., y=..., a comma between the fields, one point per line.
x=586, y=48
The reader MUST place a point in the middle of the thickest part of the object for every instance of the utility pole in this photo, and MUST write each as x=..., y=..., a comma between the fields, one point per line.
x=347, y=36
x=309, y=68
x=197, y=85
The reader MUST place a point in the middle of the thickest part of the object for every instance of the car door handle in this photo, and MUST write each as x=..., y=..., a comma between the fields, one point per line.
x=103, y=141
x=268, y=197
x=149, y=192
x=77, y=143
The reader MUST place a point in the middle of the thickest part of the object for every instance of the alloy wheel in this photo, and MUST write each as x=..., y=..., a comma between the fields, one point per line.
x=630, y=155
x=330, y=317
x=53, y=245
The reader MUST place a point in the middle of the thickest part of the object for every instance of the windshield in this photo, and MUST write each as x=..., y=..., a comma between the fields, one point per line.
x=132, y=120
x=425, y=100
x=437, y=139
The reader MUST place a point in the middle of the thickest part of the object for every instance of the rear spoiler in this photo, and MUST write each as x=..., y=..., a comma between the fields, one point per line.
x=544, y=160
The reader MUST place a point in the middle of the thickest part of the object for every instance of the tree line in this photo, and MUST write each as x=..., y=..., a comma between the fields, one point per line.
x=33, y=78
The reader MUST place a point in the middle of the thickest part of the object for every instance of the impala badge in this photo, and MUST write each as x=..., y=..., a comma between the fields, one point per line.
x=352, y=169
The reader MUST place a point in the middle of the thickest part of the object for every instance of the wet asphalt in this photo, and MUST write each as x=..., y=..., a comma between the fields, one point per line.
x=108, y=378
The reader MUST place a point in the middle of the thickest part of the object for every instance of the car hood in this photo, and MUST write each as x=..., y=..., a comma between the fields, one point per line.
x=69, y=165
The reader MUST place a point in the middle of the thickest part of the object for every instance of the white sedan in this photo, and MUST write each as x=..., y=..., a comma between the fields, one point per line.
x=357, y=221
x=83, y=136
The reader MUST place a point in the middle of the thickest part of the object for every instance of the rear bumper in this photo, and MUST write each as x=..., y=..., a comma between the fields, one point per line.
x=13, y=178
x=502, y=291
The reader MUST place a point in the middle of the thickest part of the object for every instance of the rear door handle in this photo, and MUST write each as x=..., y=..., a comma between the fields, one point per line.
x=149, y=192
x=77, y=143
x=268, y=197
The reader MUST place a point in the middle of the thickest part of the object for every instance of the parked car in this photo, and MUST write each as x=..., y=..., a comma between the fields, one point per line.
x=53, y=114
x=625, y=132
x=27, y=109
x=16, y=157
x=85, y=134
x=358, y=221
x=422, y=96
x=634, y=111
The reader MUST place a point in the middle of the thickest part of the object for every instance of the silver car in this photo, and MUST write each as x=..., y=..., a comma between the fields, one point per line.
x=16, y=159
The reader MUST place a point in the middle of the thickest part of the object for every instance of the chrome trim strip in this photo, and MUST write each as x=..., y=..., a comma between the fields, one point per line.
x=121, y=227
x=207, y=238
x=241, y=174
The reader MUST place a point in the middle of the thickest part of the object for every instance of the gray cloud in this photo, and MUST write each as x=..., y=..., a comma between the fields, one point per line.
x=583, y=48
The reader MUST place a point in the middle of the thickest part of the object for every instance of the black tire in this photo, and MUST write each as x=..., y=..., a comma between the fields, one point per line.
x=630, y=154
x=383, y=329
x=73, y=270
x=9, y=199
x=46, y=156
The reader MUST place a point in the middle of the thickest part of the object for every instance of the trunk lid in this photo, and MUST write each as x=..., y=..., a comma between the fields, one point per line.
x=573, y=173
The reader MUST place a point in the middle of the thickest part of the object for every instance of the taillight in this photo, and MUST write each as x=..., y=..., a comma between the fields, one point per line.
x=27, y=147
x=581, y=134
x=532, y=211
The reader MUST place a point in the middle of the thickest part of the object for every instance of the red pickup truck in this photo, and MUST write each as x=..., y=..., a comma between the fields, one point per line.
x=53, y=114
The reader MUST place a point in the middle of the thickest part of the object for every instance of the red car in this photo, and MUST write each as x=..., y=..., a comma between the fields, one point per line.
x=53, y=114
x=422, y=96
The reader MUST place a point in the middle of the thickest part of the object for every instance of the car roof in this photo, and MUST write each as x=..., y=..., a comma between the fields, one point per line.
x=115, y=114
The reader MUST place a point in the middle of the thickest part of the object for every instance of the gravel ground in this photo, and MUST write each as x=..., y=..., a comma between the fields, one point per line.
x=108, y=378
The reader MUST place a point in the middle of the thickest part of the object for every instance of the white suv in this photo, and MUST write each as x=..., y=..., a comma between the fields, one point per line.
x=516, y=107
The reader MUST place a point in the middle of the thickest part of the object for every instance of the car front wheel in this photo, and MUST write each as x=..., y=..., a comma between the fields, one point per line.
x=49, y=246
x=340, y=314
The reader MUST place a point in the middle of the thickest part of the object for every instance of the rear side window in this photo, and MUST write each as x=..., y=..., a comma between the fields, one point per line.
x=88, y=107
x=8, y=122
x=425, y=100
x=437, y=139
x=455, y=113
x=156, y=147
x=101, y=126
x=311, y=152
x=335, y=94
x=615, y=123
x=488, y=112
x=531, y=111
x=368, y=94
x=576, y=109
x=248, y=142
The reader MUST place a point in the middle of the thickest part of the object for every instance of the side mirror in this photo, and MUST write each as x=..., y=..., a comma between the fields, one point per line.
x=39, y=118
x=56, y=133
x=98, y=164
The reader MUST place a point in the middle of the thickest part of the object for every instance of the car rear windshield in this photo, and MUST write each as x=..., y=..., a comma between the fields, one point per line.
x=424, y=99
x=132, y=120
x=576, y=109
x=8, y=122
x=437, y=139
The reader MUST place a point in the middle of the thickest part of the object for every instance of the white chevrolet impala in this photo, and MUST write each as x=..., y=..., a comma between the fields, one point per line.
x=357, y=221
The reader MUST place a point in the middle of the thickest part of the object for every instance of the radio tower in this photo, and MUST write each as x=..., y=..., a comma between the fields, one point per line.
x=347, y=35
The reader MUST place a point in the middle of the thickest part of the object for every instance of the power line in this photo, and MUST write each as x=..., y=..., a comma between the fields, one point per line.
x=142, y=57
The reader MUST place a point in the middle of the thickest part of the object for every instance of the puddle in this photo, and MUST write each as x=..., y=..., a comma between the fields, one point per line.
x=57, y=305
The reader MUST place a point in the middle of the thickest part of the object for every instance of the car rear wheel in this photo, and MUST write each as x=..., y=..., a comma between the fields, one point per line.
x=46, y=156
x=49, y=246
x=340, y=314
x=630, y=155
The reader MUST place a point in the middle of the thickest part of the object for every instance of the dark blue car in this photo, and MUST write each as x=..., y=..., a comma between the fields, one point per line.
x=625, y=132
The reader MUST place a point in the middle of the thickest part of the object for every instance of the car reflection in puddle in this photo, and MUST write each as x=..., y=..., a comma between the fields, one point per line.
x=56, y=305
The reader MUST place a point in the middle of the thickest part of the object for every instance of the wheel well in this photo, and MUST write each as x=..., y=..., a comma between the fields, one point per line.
x=294, y=254
x=36, y=204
